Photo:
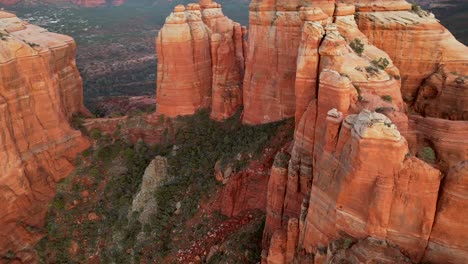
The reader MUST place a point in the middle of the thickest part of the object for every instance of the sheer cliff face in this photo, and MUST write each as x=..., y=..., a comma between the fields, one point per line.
x=200, y=62
x=419, y=45
x=351, y=170
x=40, y=89
x=360, y=165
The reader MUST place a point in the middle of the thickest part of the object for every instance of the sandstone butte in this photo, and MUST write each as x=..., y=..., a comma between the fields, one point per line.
x=200, y=62
x=40, y=90
x=379, y=94
x=83, y=3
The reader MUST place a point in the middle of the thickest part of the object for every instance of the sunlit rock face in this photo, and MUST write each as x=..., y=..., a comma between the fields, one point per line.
x=418, y=45
x=378, y=93
x=352, y=87
x=40, y=89
x=184, y=63
x=200, y=62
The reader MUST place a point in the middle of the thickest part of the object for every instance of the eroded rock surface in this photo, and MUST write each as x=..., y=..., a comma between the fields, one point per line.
x=40, y=90
x=144, y=202
x=200, y=62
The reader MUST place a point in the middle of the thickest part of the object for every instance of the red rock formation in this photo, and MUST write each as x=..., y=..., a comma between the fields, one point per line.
x=184, y=63
x=447, y=138
x=365, y=251
x=379, y=5
x=444, y=95
x=9, y=2
x=274, y=38
x=417, y=44
x=277, y=254
x=447, y=243
x=275, y=196
x=227, y=54
x=356, y=166
x=40, y=89
x=201, y=62
x=332, y=158
x=308, y=58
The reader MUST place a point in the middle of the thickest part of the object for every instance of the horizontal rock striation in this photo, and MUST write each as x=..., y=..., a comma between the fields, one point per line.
x=359, y=165
x=200, y=62
x=378, y=92
x=419, y=45
x=40, y=90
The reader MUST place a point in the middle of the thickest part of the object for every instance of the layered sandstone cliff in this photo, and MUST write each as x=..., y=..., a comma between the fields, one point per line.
x=356, y=174
x=421, y=47
x=200, y=62
x=378, y=92
x=40, y=90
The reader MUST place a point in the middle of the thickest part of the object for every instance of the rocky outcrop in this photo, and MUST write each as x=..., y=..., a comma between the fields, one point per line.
x=275, y=196
x=341, y=145
x=227, y=55
x=360, y=165
x=184, y=63
x=418, y=45
x=274, y=38
x=368, y=250
x=444, y=94
x=40, y=90
x=154, y=177
x=447, y=243
x=448, y=139
x=201, y=62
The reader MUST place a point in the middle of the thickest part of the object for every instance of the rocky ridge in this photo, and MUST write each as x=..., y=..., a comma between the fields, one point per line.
x=40, y=91
x=375, y=87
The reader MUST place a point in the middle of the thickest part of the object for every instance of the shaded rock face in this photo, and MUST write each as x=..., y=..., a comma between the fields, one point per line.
x=200, y=62
x=368, y=250
x=447, y=242
x=40, y=89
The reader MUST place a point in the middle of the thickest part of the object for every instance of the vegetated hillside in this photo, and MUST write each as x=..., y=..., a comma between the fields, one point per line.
x=453, y=14
x=91, y=218
x=115, y=45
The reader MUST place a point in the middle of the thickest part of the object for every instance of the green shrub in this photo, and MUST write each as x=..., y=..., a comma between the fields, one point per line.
x=282, y=160
x=384, y=109
x=408, y=99
x=347, y=243
x=418, y=10
x=358, y=90
x=427, y=154
x=95, y=134
x=386, y=98
x=372, y=70
x=3, y=36
x=33, y=45
x=357, y=46
x=382, y=63
x=117, y=169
